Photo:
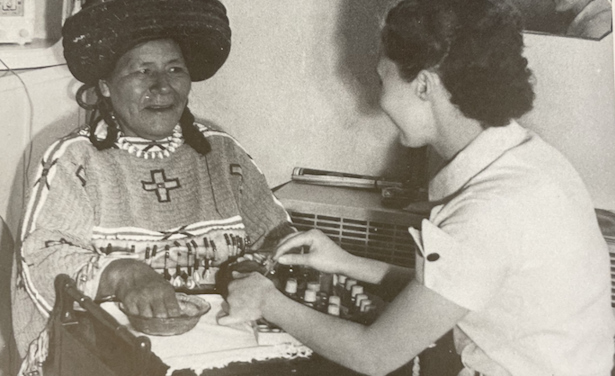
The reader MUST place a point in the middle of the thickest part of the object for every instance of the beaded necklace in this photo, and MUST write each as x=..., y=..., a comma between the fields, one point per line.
x=148, y=149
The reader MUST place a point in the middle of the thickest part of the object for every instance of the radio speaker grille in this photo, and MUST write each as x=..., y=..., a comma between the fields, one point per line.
x=610, y=241
x=606, y=220
x=354, y=219
x=381, y=241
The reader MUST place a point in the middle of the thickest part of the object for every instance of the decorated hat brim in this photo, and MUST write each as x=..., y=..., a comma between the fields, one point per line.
x=97, y=36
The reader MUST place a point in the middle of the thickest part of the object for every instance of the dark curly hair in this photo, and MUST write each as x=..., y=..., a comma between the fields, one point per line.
x=476, y=48
x=102, y=110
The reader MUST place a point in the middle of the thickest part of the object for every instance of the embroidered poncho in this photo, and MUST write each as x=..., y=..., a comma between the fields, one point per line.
x=89, y=207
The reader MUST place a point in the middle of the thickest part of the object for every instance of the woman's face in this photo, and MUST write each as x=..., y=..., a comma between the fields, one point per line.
x=149, y=89
x=401, y=101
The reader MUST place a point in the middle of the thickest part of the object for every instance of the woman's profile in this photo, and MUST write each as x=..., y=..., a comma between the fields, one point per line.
x=511, y=257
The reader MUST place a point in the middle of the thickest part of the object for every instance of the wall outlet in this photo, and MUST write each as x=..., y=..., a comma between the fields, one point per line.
x=17, y=21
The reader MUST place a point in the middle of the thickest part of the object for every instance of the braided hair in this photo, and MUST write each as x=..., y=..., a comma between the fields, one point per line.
x=103, y=110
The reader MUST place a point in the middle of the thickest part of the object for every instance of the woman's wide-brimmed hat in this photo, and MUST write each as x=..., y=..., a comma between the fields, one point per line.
x=99, y=34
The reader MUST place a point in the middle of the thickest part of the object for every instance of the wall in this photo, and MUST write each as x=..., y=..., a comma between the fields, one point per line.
x=42, y=111
x=575, y=106
x=300, y=89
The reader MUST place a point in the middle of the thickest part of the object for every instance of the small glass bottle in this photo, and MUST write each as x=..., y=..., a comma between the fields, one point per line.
x=354, y=291
x=367, y=311
x=346, y=299
x=333, y=309
x=341, y=280
x=313, y=286
x=292, y=271
x=309, y=298
x=349, y=283
x=303, y=276
x=334, y=299
x=322, y=301
x=356, y=307
x=290, y=289
x=326, y=282
x=339, y=287
x=365, y=305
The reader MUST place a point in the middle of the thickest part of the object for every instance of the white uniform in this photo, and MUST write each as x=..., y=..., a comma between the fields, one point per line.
x=517, y=242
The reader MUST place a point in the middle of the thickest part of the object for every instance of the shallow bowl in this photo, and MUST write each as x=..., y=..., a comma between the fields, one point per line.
x=192, y=308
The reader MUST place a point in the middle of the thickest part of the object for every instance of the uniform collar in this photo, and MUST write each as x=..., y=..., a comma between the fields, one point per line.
x=487, y=147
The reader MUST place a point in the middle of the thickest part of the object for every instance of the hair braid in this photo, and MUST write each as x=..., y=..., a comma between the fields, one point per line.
x=103, y=107
x=192, y=135
x=102, y=110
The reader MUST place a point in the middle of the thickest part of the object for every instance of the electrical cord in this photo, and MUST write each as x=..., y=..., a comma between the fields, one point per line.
x=30, y=130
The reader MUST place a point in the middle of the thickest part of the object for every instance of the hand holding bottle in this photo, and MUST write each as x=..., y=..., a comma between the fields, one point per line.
x=323, y=254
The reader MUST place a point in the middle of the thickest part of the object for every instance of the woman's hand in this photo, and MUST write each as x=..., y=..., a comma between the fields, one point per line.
x=247, y=297
x=324, y=255
x=141, y=290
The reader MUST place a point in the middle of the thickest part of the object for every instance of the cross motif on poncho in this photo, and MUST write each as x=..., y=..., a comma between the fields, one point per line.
x=161, y=185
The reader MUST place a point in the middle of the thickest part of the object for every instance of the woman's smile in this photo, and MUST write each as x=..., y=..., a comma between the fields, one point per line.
x=149, y=89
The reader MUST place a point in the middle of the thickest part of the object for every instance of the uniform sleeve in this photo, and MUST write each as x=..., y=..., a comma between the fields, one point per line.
x=265, y=218
x=56, y=230
x=466, y=257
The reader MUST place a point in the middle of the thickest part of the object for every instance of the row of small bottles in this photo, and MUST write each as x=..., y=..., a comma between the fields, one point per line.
x=194, y=263
x=336, y=295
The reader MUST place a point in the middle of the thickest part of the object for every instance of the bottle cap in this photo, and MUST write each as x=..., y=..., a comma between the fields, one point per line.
x=291, y=286
x=356, y=290
x=359, y=299
x=313, y=286
x=334, y=299
x=309, y=296
x=349, y=283
x=333, y=309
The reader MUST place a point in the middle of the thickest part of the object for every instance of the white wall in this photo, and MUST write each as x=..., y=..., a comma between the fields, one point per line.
x=44, y=112
x=575, y=106
x=41, y=111
x=299, y=87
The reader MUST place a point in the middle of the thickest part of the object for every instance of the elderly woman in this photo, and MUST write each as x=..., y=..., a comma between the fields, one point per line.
x=143, y=197
x=511, y=256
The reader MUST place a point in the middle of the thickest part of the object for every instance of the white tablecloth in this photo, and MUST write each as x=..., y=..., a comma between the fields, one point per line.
x=210, y=345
